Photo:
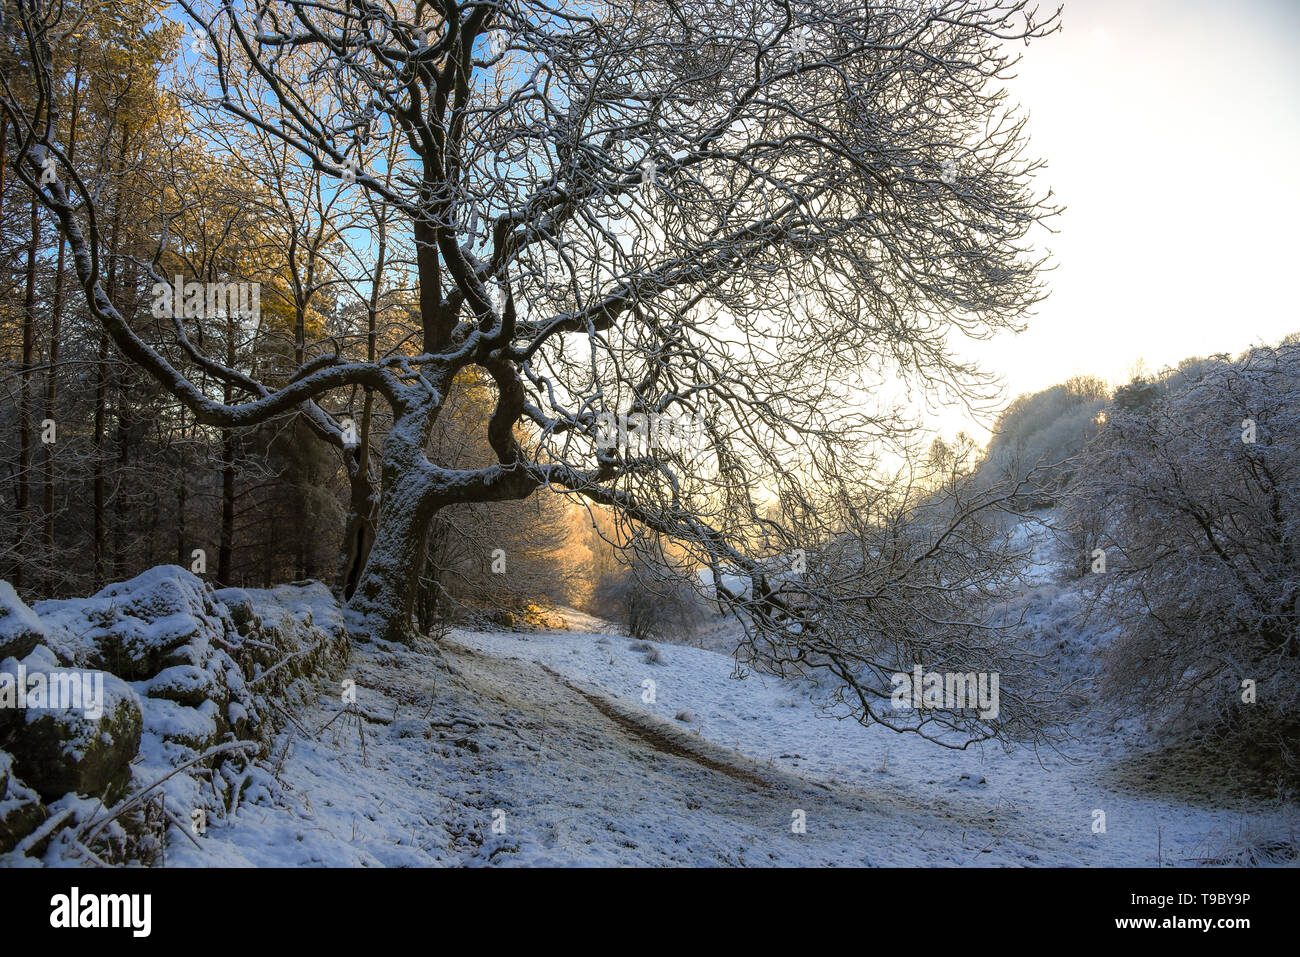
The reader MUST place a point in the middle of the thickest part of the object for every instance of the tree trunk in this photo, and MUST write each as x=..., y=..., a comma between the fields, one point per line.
x=25, y=400
x=384, y=599
x=101, y=392
x=125, y=425
x=359, y=535
x=4, y=159
x=226, y=548
x=182, y=492
x=51, y=411
x=52, y=376
x=98, y=521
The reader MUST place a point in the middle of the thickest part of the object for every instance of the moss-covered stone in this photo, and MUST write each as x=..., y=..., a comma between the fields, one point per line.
x=20, y=629
x=200, y=663
x=134, y=629
x=197, y=728
x=21, y=810
x=189, y=685
x=69, y=749
x=240, y=605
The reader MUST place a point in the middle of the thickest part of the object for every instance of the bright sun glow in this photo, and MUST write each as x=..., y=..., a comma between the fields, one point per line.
x=1171, y=131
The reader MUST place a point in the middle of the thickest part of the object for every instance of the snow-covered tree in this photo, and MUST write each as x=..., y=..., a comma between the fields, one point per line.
x=1195, y=499
x=683, y=239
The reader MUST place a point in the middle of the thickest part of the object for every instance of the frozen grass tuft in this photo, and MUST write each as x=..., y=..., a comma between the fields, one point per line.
x=1254, y=844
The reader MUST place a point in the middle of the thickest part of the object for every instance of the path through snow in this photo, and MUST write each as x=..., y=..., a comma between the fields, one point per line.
x=547, y=736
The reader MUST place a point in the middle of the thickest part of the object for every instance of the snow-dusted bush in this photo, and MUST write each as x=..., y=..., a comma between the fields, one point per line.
x=894, y=577
x=649, y=602
x=1195, y=499
x=1254, y=844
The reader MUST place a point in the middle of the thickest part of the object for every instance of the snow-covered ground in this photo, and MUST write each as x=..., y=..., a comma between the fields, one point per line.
x=579, y=746
x=541, y=749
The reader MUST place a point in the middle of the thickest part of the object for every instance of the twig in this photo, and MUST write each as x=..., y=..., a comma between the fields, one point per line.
x=95, y=858
x=42, y=832
x=182, y=827
x=280, y=664
x=284, y=753
x=292, y=719
x=135, y=799
x=343, y=710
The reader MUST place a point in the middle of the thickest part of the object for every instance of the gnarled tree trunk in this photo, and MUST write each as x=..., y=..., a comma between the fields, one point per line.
x=384, y=598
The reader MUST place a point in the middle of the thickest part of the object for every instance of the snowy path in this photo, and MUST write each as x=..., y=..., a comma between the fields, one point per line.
x=547, y=735
x=921, y=804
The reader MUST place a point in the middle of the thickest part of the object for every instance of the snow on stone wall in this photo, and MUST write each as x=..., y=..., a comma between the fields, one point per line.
x=170, y=669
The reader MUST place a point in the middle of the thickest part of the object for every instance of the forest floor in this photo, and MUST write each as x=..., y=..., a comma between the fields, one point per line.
x=515, y=748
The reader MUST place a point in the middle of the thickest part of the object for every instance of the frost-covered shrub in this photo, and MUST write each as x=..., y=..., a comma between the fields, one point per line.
x=1195, y=498
x=649, y=602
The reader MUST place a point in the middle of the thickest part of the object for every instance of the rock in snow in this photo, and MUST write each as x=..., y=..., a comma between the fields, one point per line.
x=20, y=629
x=177, y=669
